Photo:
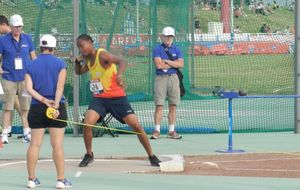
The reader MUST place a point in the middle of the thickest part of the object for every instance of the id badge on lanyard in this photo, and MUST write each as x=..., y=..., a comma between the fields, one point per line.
x=18, y=63
x=18, y=59
x=96, y=87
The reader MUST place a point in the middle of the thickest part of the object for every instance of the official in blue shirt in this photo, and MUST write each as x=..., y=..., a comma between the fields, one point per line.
x=167, y=59
x=45, y=80
x=4, y=29
x=16, y=50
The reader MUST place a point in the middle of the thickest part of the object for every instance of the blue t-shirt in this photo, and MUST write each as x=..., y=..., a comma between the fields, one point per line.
x=44, y=71
x=159, y=51
x=11, y=49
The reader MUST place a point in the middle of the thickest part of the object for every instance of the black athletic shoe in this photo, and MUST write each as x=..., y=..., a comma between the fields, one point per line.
x=154, y=160
x=87, y=159
x=9, y=134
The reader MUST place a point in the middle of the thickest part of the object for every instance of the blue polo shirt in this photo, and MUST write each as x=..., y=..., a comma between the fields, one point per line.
x=9, y=49
x=159, y=51
x=44, y=71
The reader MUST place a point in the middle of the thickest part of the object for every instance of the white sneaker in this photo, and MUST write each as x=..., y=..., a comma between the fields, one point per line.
x=4, y=138
x=33, y=183
x=9, y=134
x=26, y=138
x=63, y=183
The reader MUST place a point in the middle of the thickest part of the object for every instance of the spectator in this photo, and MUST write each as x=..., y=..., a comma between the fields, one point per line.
x=112, y=12
x=292, y=6
x=237, y=12
x=214, y=6
x=168, y=59
x=45, y=80
x=262, y=9
x=54, y=30
x=259, y=8
x=16, y=49
x=268, y=10
x=197, y=25
x=286, y=30
x=198, y=30
x=252, y=7
x=52, y=4
x=268, y=29
x=32, y=32
x=97, y=2
x=89, y=29
x=142, y=22
x=265, y=28
x=206, y=7
x=275, y=5
x=106, y=3
x=237, y=30
x=293, y=30
x=278, y=31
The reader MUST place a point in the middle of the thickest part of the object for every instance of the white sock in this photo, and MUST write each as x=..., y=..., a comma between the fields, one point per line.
x=171, y=128
x=26, y=130
x=9, y=129
x=5, y=131
x=157, y=128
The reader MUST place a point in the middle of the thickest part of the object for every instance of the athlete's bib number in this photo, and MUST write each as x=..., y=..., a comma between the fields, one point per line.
x=96, y=87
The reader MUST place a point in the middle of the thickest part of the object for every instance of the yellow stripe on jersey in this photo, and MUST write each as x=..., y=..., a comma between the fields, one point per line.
x=106, y=74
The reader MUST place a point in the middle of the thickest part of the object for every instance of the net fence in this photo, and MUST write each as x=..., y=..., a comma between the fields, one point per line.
x=226, y=44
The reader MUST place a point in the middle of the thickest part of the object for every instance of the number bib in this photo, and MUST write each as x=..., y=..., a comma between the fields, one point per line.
x=96, y=87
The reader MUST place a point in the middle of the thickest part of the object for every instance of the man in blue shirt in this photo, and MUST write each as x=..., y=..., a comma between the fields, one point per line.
x=4, y=29
x=168, y=59
x=16, y=50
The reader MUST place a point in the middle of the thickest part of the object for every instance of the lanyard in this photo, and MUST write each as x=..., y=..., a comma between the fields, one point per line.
x=18, y=48
x=166, y=48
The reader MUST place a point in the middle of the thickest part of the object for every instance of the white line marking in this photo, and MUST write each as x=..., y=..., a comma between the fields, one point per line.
x=211, y=164
x=71, y=160
x=255, y=160
x=281, y=89
x=78, y=174
x=263, y=170
x=133, y=172
x=12, y=163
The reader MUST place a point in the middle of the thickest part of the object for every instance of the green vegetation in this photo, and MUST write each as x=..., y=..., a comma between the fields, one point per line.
x=259, y=74
x=99, y=18
x=252, y=22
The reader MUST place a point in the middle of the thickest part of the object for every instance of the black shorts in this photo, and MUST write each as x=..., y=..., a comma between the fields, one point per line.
x=37, y=117
x=117, y=107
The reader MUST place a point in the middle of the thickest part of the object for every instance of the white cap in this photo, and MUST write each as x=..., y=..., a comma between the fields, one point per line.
x=48, y=41
x=168, y=31
x=16, y=20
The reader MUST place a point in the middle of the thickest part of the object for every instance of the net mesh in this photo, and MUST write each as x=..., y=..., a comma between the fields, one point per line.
x=251, y=49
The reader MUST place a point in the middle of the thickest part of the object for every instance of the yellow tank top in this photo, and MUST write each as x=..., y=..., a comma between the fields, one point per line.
x=103, y=81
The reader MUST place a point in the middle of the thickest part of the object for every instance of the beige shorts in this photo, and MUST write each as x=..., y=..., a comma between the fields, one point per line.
x=11, y=89
x=166, y=86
